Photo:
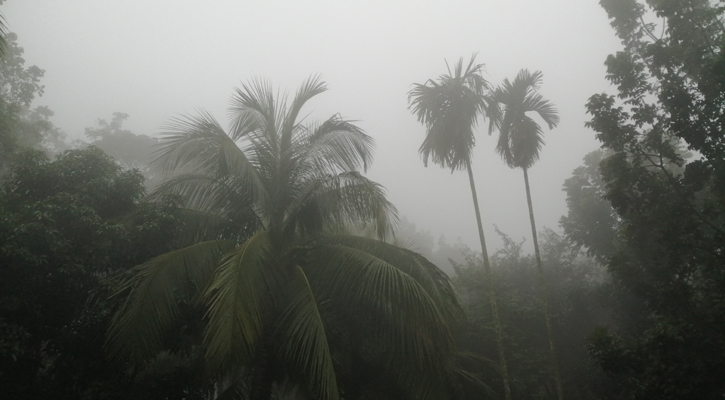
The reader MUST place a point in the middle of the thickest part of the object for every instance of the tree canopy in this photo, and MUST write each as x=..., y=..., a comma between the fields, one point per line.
x=664, y=241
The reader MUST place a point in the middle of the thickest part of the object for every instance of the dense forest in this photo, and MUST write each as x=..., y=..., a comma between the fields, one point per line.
x=257, y=261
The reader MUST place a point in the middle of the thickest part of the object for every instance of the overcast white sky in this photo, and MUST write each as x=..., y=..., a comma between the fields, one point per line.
x=154, y=59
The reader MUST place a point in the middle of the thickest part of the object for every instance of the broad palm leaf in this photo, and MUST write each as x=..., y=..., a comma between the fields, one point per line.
x=519, y=142
x=449, y=108
x=270, y=197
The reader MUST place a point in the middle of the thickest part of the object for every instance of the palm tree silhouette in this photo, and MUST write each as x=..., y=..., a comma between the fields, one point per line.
x=449, y=108
x=519, y=143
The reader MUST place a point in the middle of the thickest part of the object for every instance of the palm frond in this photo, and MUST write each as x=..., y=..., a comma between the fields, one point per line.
x=547, y=111
x=335, y=146
x=157, y=287
x=503, y=145
x=309, y=89
x=303, y=339
x=254, y=111
x=434, y=281
x=198, y=226
x=200, y=144
x=410, y=318
x=526, y=142
x=219, y=198
x=238, y=299
x=339, y=201
x=190, y=141
x=465, y=375
x=493, y=112
x=407, y=328
x=202, y=192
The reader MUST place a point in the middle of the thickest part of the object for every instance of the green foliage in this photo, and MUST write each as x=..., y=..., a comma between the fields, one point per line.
x=590, y=222
x=440, y=253
x=66, y=228
x=8, y=139
x=18, y=85
x=580, y=297
x=127, y=149
x=90, y=176
x=20, y=126
x=669, y=219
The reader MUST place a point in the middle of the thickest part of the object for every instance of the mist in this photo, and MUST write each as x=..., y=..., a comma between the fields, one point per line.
x=156, y=61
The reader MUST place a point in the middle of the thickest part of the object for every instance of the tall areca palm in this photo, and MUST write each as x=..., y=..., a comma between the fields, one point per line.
x=268, y=202
x=449, y=108
x=519, y=143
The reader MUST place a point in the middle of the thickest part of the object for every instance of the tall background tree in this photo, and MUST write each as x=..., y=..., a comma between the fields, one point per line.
x=449, y=108
x=519, y=143
x=22, y=126
x=290, y=300
x=670, y=78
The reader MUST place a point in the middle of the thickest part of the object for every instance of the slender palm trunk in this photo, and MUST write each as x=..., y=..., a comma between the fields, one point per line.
x=544, y=293
x=490, y=288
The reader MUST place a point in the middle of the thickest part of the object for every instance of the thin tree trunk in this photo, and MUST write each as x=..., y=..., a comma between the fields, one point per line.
x=490, y=288
x=544, y=293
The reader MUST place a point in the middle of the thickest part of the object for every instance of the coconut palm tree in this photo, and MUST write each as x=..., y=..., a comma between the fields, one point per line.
x=290, y=298
x=449, y=108
x=519, y=143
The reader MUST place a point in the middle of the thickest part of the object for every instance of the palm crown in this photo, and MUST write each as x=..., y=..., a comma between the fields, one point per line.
x=268, y=204
x=520, y=137
x=449, y=109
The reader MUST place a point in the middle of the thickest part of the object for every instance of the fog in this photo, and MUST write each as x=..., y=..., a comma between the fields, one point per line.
x=157, y=59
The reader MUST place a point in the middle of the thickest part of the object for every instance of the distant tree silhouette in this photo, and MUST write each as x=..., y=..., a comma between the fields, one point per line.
x=519, y=143
x=449, y=108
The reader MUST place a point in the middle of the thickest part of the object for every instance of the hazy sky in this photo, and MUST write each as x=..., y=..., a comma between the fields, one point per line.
x=155, y=59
